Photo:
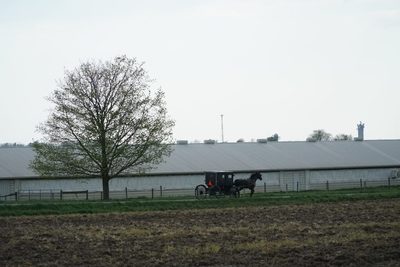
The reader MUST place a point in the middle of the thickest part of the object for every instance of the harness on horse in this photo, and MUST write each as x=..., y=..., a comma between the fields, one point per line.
x=249, y=183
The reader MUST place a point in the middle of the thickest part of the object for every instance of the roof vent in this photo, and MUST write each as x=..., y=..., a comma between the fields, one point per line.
x=209, y=142
x=182, y=142
x=263, y=140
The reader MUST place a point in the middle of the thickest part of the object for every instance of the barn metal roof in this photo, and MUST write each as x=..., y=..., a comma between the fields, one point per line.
x=275, y=156
x=14, y=162
x=240, y=157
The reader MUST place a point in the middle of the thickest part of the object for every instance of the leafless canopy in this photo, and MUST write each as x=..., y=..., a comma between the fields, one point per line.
x=319, y=135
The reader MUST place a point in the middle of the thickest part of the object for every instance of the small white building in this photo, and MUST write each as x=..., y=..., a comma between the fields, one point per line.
x=284, y=166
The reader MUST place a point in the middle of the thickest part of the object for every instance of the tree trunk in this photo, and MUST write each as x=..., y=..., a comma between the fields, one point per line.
x=104, y=163
x=106, y=188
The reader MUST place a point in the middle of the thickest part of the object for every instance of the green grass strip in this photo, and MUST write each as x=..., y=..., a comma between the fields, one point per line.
x=22, y=208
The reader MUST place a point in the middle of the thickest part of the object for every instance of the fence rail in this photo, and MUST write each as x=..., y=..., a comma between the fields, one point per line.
x=13, y=195
x=59, y=194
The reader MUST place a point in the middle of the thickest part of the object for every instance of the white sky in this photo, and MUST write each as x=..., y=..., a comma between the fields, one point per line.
x=272, y=66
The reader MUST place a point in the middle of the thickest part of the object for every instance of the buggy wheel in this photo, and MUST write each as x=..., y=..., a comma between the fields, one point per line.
x=200, y=191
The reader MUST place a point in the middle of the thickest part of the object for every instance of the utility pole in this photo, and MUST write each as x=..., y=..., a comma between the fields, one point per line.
x=222, y=127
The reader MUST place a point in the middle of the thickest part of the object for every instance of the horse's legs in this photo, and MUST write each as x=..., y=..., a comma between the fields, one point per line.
x=251, y=192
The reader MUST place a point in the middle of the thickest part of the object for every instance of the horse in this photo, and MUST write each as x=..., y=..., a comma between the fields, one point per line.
x=249, y=183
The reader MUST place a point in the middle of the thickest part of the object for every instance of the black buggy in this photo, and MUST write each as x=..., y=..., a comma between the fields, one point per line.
x=222, y=184
x=217, y=184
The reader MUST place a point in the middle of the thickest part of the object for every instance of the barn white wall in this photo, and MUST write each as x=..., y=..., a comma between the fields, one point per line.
x=179, y=181
x=277, y=180
x=58, y=184
x=293, y=180
x=6, y=187
x=95, y=184
x=349, y=175
x=117, y=184
x=146, y=183
x=289, y=180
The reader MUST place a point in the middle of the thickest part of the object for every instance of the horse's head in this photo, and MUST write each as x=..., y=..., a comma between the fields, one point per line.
x=256, y=176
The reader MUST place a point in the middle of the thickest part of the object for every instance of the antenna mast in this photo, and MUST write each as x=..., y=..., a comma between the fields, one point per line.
x=222, y=127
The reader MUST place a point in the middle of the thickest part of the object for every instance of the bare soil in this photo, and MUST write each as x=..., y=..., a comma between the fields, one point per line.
x=362, y=233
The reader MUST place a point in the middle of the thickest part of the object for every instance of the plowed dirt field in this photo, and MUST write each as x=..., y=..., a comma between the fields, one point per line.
x=362, y=233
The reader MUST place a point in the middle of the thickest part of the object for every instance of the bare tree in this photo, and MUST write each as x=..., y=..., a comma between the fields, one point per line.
x=319, y=135
x=273, y=138
x=343, y=137
x=106, y=122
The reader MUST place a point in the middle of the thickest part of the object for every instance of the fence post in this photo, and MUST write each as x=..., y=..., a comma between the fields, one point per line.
x=389, y=182
x=126, y=192
x=60, y=194
x=101, y=195
x=297, y=186
x=152, y=193
x=361, y=184
x=365, y=184
x=160, y=190
x=327, y=185
x=16, y=196
x=87, y=194
x=40, y=194
x=265, y=187
x=29, y=194
x=286, y=188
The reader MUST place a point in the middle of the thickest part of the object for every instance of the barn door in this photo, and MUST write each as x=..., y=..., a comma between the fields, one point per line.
x=293, y=181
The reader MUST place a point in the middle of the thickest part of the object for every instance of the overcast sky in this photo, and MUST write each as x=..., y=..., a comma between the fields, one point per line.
x=272, y=66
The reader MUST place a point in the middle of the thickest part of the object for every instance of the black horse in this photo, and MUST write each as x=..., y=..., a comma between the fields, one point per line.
x=249, y=183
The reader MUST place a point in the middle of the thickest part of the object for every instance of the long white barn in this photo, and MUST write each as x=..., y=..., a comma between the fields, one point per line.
x=284, y=165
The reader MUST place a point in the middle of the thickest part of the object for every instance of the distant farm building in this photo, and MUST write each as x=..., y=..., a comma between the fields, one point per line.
x=284, y=166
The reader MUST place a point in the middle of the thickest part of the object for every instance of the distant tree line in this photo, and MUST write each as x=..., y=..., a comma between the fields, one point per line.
x=273, y=138
x=321, y=135
x=10, y=145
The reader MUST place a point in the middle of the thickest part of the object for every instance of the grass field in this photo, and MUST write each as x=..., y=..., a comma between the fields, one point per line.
x=184, y=203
